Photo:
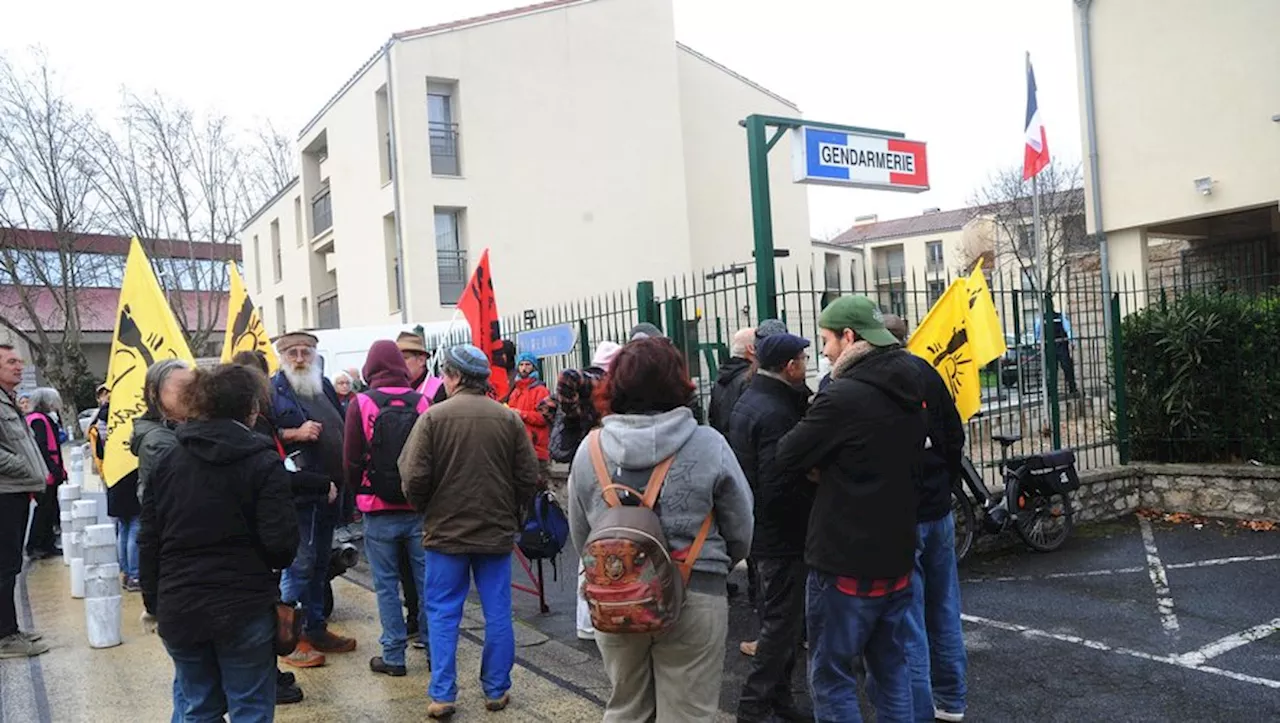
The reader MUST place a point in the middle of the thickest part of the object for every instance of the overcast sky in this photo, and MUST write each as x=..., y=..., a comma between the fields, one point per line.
x=943, y=71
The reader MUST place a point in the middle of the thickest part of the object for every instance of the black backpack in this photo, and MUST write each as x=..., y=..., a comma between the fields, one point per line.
x=397, y=413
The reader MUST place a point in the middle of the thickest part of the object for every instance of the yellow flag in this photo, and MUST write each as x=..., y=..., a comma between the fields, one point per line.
x=942, y=339
x=146, y=332
x=985, y=333
x=244, y=326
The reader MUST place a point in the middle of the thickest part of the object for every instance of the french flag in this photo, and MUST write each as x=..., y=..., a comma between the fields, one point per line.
x=1036, y=155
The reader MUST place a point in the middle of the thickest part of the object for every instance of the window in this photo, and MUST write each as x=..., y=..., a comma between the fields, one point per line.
x=933, y=252
x=306, y=313
x=890, y=263
x=935, y=291
x=1027, y=238
x=451, y=255
x=257, y=265
x=327, y=311
x=893, y=301
x=382, y=107
x=442, y=129
x=299, y=237
x=277, y=267
x=281, y=326
x=395, y=297
x=832, y=271
x=321, y=213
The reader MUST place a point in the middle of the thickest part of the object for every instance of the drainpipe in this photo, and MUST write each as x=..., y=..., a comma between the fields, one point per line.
x=1091, y=131
x=395, y=181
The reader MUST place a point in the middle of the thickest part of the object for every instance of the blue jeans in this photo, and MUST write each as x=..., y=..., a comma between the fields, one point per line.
x=935, y=642
x=233, y=675
x=305, y=579
x=448, y=579
x=843, y=631
x=127, y=545
x=385, y=535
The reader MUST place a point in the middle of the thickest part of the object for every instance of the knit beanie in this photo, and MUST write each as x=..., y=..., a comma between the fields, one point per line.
x=469, y=360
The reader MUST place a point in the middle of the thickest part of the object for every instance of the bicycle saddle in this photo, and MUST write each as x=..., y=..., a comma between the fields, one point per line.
x=1006, y=438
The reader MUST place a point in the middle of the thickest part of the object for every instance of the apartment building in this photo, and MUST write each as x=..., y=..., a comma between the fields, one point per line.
x=575, y=139
x=1187, y=110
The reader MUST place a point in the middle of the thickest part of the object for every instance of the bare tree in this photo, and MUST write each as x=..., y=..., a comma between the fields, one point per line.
x=46, y=182
x=1006, y=228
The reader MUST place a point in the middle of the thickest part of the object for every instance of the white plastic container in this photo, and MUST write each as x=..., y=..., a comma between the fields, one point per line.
x=102, y=581
x=99, y=536
x=68, y=493
x=102, y=621
x=77, y=465
x=68, y=532
x=77, y=578
x=101, y=554
x=85, y=510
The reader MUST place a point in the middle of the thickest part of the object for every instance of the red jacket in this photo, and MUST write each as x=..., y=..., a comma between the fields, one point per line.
x=526, y=394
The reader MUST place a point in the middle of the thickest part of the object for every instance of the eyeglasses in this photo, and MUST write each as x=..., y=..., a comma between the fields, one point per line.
x=300, y=352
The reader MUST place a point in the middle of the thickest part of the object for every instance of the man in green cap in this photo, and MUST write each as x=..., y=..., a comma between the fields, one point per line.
x=864, y=436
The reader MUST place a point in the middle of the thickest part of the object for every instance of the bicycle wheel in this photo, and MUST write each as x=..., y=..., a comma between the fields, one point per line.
x=966, y=523
x=1043, y=519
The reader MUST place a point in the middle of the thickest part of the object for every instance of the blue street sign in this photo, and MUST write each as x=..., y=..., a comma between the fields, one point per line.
x=548, y=341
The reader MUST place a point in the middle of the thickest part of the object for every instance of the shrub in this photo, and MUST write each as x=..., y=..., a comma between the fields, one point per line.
x=1203, y=379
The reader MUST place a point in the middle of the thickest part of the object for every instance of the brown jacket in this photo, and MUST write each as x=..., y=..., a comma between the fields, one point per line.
x=469, y=467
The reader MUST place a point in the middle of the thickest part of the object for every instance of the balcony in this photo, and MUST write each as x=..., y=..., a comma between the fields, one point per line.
x=892, y=271
x=321, y=214
x=451, y=269
x=444, y=148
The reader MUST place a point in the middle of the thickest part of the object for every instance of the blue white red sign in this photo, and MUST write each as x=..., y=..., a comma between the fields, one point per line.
x=839, y=158
x=549, y=341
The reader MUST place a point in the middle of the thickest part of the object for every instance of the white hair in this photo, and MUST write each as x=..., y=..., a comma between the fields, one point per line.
x=45, y=400
x=309, y=381
x=744, y=341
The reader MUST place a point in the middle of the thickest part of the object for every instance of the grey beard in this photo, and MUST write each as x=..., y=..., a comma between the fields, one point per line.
x=308, y=383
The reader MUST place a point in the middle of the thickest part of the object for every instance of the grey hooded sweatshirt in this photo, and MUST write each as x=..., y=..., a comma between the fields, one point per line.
x=705, y=475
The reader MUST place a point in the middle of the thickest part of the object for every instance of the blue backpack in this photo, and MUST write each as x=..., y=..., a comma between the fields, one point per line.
x=546, y=528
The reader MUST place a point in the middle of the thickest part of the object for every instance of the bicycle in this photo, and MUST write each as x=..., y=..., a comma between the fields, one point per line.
x=1037, y=489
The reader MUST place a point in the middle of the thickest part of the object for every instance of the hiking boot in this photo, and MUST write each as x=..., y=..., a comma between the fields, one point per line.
x=378, y=665
x=748, y=648
x=20, y=646
x=439, y=709
x=496, y=704
x=328, y=642
x=288, y=694
x=304, y=656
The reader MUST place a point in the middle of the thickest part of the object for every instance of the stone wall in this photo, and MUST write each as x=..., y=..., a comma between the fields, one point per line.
x=1236, y=491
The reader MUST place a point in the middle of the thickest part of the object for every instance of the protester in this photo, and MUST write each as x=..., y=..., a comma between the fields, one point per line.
x=343, y=386
x=468, y=467
x=645, y=330
x=731, y=379
x=416, y=356
x=1062, y=337
x=935, y=642
x=575, y=409
x=302, y=484
x=526, y=397
x=771, y=406
x=865, y=435
x=22, y=474
x=307, y=414
x=674, y=676
x=44, y=404
x=391, y=527
x=97, y=433
x=125, y=508
x=163, y=391
x=218, y=520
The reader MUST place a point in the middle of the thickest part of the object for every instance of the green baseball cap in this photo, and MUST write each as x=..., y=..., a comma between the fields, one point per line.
x=860, y=314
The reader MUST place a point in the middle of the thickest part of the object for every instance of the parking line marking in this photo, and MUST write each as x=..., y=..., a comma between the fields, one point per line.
x=1155, y=568
x=1173, y=660
x=1230, y=642
x=1214, y=562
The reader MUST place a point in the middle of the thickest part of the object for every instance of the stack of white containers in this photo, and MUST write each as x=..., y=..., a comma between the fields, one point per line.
x=84, y=513
x=67, y=495
x=101, y=586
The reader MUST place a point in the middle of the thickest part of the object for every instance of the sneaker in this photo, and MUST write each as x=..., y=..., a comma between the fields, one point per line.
x=304, y=656
x=33, y=637
x=288, y=694
x=496, y=704
x=328, y=642
x=748, y=648
x=378, y=665
x=437, y=709
x=948, y=716
x=419, y=644
x=132, y=585
x=587, y=634
x=284, y=680
x=19, y=646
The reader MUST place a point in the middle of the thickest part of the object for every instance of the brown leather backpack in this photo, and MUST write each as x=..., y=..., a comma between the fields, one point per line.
x=632, y=583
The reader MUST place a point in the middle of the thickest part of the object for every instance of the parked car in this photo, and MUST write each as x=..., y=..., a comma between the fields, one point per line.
x=1019, y=367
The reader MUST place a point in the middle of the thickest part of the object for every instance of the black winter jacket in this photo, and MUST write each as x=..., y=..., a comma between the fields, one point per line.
x=731, y=382
x=865, y=434
x=768, y=409
x=945, y=447
x=217, y=520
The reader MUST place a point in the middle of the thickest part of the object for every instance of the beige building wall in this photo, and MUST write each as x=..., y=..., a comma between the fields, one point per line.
x=1183, y=89
x=594, y=152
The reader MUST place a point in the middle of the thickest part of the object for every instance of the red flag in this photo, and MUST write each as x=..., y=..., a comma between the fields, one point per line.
x=480, y=307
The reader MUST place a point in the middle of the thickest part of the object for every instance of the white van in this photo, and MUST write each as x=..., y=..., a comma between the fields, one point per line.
x=346, y=348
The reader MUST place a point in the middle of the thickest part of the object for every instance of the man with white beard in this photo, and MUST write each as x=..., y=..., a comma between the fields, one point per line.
x=306, y=411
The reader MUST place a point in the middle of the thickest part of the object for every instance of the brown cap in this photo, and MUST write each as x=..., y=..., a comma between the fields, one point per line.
x=285, y=342
x=411, y=342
